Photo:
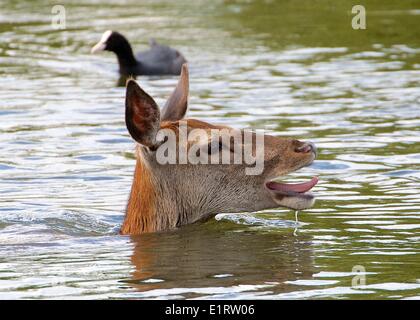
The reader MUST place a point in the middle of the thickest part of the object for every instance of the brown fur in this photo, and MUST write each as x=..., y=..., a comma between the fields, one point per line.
x=141, y=211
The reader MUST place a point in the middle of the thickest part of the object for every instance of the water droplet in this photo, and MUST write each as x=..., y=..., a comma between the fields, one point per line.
x=296, y=223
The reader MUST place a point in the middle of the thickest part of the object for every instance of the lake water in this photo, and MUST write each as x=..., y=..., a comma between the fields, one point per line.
x=292, y=68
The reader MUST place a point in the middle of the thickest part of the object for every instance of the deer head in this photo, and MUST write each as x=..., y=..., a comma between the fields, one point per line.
x=168, y=195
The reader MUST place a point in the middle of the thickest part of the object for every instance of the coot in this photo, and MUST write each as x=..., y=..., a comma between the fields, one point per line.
x=158, y=60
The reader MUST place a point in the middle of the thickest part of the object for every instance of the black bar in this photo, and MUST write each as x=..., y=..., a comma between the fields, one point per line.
x=209, y=309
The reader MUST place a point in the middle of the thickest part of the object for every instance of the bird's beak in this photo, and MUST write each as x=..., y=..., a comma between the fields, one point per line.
x=100, y=46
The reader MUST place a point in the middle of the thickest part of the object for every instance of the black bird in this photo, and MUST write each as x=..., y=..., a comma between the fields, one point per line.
x=158, y=60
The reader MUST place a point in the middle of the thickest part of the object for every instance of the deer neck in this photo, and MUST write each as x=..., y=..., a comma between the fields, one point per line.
x=141, y=214
x=154, y=204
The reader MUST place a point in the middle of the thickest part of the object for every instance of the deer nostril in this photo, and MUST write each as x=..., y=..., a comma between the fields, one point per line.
x=306, y=147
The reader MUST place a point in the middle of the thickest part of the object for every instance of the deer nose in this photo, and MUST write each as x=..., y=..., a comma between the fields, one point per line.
x=307, y=147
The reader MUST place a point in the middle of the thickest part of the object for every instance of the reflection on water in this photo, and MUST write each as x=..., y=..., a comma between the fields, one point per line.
x=67, y=161
x=207, y=260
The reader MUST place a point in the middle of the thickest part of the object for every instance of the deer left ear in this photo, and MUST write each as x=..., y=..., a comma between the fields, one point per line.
x=176, y=106
x=142, y=116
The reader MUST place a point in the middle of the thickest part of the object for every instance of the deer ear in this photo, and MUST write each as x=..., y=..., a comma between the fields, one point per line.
x=176, y=106
x=142, y=116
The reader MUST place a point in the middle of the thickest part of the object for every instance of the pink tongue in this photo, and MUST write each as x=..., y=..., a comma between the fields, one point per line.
x=289, y=187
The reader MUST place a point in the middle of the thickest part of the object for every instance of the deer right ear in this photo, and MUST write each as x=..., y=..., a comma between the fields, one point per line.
x=176, y=106
x=142, y=116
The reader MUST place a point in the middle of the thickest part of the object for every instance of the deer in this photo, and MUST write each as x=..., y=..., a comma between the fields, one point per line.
x=167, y=196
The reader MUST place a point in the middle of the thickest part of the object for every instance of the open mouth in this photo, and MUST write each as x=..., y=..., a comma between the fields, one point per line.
x=293, y=189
